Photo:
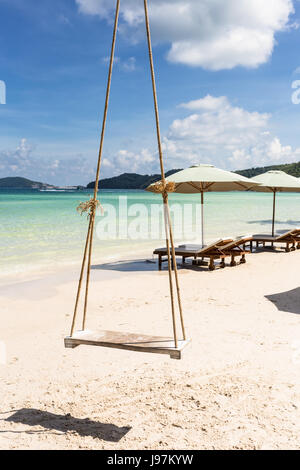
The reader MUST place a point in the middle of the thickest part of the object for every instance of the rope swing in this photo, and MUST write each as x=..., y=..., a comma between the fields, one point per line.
x=172, y=346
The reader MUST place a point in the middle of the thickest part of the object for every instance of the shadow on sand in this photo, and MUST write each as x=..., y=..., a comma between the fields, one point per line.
x=128, y=266
x=286, y=301
x=143, y=266
x=66, y=423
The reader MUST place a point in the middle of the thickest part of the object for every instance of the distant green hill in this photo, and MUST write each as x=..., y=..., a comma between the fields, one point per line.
x=128, y=181
x=289, y=168
x=19, y=183
x=136, y=181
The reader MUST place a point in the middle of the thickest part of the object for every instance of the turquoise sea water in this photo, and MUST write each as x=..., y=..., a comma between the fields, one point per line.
x=40, y=229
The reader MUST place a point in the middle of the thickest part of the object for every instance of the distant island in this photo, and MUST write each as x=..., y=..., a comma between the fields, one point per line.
x=133, y=180
x=24, y=183
x=19, y=183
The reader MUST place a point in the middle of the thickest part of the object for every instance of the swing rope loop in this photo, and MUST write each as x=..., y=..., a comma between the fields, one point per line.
x=90, y=207
x=160, y=187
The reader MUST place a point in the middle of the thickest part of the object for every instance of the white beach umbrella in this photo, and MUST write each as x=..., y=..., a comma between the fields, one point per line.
x=276, y=182
x=206, y=178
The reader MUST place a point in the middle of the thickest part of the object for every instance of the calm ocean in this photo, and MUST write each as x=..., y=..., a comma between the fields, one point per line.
x=43, y=229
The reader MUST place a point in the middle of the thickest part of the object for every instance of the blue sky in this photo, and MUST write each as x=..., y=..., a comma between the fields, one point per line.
x=224, y=80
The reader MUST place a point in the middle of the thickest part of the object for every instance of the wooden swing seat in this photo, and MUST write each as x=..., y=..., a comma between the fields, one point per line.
x=110, y=339
x=129, y=341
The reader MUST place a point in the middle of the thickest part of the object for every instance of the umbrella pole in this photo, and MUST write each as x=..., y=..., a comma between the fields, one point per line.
x=202, y=218
x=274, y=209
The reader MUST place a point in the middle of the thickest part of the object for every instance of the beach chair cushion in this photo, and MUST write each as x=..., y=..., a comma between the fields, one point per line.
x=195, y=251
x=277, y=237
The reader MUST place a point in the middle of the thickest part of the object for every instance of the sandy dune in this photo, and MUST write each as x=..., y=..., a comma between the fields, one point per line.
x=237, y=386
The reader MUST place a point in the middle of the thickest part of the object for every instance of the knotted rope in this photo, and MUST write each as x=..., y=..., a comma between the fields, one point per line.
x=90, y=207
x=161, y=188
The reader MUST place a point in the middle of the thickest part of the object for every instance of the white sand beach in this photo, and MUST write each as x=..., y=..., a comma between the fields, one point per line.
x=125, y=127
x=237, y=386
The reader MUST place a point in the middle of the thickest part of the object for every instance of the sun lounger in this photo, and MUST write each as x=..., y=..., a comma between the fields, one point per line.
x=237, y=248
x=290, y=239
x=220, y=250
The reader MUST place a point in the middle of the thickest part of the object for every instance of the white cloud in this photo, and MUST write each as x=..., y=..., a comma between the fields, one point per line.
x=134, y=162
x=106, y=60
x=24, y=161
x=209, y=103
x=227, y=136
x=127, y=65
x=64, y=19
x=217, y=122
x=213, y=131
x=18, y=158
x=209, y=33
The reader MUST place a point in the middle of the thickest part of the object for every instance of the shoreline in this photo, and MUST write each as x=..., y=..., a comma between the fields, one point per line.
x=43, y=231
x=37, y=271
